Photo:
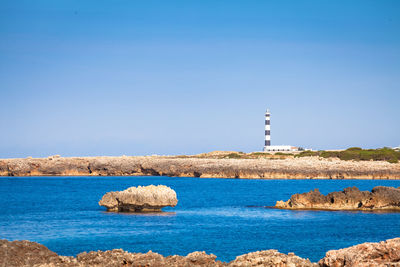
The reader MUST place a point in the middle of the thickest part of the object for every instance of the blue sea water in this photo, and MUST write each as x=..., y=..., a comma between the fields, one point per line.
x=226, y=217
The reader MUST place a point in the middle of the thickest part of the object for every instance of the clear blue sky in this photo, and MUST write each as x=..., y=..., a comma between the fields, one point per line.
x=95, y=77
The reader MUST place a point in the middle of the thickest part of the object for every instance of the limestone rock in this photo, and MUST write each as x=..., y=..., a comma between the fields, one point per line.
x=141, y=198
x=271, y=258
x=207, y=166
x=25, y=253
x=385, y=253
x=351, y=198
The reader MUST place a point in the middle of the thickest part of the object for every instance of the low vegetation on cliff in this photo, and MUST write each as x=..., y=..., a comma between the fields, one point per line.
x=357, y=153
x=241, y=155
x=352, y=153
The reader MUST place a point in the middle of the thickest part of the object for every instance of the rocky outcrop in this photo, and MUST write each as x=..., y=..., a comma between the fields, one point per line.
x=140, y=199
x=271, y=257
x=385, y=253
x=261, y=168
x=380, y=198
x=25, y=253
x=119, y=257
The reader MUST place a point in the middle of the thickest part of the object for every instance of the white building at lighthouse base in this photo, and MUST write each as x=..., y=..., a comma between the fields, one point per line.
x=280, y=148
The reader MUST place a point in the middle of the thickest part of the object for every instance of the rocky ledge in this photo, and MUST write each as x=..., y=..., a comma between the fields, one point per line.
x=25, y=253
x=140, y=199
x=259, y=168
x=385, y=253
x=351, y=198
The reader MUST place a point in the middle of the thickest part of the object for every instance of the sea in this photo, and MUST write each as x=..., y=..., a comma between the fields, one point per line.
x=226, y=217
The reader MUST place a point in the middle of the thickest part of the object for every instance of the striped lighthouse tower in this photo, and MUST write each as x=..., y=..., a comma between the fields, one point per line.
x=267, y=130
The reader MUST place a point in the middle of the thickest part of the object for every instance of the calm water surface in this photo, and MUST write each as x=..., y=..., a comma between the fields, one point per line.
x=225, y=217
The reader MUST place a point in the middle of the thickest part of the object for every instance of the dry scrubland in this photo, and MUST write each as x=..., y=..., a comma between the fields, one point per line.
x=210, y=165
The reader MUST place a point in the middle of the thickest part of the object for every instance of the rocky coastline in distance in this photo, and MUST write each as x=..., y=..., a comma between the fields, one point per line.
x=26, y=253
x=209, y=165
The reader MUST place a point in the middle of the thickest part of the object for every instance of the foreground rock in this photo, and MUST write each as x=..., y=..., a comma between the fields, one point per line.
x=351, y=198
x=25, y=253
x=140, y=199
x=261, y=168
x=385, y=253
x=271, y=258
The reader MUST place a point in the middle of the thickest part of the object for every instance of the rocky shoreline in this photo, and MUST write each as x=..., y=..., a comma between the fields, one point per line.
x=380, y=198
x=26, y=253
x=191, y=166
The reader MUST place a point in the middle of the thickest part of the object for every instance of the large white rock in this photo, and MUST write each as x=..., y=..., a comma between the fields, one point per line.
x=140, y=199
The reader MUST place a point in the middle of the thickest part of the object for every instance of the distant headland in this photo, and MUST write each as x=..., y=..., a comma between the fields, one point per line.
x=353, y=163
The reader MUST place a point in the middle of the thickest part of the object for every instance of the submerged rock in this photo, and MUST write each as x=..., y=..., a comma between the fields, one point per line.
x=140, y=199
x=351, y=198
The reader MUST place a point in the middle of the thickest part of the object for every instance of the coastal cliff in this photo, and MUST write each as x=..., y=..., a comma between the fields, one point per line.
x=188, y=166
x=25, y=253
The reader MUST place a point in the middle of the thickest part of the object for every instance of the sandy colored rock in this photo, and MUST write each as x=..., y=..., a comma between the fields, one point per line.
x=385, y=253
x=191, y=166
x=351, y=198
x=141, y=198
x=271, y=258
x=25, y=253
x=119, y=257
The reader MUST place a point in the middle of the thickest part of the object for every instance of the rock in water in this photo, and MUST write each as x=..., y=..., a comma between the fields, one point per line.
x=351, y=198
x=140, y=199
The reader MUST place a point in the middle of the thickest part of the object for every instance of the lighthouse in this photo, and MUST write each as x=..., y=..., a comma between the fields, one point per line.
x=267, y=139
x=267, y=129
